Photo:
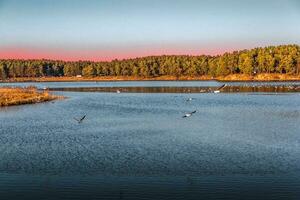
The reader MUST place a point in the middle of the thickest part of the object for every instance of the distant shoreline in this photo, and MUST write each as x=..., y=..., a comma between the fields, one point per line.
x=229, y=78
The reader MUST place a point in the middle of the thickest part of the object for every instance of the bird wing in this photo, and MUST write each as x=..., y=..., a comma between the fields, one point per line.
x=193, y=112
x=83, y=118
x=76, y=119
x=222, y=87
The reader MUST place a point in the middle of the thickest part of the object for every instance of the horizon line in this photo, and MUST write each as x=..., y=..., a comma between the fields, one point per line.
x=9, y=55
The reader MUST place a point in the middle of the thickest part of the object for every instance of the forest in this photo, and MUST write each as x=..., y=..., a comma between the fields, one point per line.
x=283, y=59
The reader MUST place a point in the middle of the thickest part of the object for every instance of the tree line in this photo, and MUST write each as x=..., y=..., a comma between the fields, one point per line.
x=283, y=59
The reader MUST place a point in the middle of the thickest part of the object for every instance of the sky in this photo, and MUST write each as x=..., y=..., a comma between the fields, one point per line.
x=116, y=29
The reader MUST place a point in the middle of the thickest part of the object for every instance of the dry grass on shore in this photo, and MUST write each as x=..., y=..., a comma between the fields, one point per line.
x=232, y=77
x=29, y=95
x=260, y=77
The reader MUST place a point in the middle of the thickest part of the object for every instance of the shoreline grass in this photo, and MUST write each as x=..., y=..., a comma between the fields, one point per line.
x=10, y=96
x=233, y=77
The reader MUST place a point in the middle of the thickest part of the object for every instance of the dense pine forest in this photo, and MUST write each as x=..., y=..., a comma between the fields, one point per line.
x=283, y=59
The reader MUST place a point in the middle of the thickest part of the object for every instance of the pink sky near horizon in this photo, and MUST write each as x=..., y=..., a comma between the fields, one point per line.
x=104, y=55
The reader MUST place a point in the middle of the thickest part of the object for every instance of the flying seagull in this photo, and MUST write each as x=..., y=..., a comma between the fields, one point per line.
x=189, y=99
x=218, y=90
x=189, y=114
x=81, y=119
x=222, y=86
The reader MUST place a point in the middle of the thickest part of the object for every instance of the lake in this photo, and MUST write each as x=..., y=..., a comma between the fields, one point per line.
x=146, y=84
x=138, y=146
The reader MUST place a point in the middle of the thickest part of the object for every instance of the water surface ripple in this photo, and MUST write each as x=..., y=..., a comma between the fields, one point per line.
x=138, y=146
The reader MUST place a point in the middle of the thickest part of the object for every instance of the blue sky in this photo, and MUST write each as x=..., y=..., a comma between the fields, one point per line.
x=109, y=29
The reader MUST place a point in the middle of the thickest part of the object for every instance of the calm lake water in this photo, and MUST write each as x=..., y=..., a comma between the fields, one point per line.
x=145, y=84
x=138, y=146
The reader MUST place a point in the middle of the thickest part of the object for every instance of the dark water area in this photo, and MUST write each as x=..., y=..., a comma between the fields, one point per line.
x=138, y=146
x=108, y=187
x=225, y=89
x=164, y=86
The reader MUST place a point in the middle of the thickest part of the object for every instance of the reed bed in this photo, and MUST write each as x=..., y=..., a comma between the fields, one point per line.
x=17, y=96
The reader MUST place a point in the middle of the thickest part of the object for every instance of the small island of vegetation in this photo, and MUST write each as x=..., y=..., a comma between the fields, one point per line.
x=16, y=96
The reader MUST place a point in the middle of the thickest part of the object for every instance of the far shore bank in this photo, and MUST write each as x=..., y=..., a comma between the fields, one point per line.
x=229, y=78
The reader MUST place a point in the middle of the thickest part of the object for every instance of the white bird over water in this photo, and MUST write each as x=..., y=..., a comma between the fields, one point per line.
x=189, y=99
x=189, y=114
x=118, y=91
